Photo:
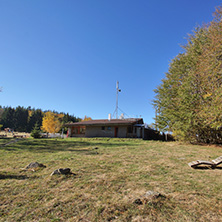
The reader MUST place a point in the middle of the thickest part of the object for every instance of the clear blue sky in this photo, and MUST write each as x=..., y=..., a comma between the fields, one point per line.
x=67, y=55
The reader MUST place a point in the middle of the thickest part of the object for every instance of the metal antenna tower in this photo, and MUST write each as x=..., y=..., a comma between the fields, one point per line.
x=117, y=92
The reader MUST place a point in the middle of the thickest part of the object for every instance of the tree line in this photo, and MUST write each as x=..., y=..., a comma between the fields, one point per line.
x=23, y=119
x=188, y=102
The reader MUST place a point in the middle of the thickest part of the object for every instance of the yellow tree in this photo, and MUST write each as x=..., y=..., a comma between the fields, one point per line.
x=87, y=118
x=51, y=123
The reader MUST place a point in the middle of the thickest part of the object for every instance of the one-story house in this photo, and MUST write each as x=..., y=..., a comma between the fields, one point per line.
x=122, y=128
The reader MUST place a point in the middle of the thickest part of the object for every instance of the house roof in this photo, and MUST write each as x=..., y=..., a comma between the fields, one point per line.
x=101, y=122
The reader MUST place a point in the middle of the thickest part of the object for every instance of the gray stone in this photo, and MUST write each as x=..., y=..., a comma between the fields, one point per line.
x=64, y=171
x=34, y=165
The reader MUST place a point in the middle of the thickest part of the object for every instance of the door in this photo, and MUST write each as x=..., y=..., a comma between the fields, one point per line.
x=116, y=131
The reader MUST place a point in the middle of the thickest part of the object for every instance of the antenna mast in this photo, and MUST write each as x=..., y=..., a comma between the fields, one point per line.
x=117, y=92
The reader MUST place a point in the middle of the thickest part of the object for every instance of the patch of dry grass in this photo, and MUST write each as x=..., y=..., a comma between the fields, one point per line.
x=107, y=181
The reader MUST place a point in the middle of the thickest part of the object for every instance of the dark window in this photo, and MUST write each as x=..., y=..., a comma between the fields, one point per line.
x=129, y=129
x=103, y=127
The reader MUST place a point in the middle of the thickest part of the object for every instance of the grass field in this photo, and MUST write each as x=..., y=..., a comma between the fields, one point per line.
x=107, y=181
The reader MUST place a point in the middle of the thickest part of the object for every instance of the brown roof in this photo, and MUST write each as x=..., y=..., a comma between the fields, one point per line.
x=100, y=122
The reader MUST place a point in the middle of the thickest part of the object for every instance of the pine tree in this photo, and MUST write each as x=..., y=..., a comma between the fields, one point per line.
x=36, y=133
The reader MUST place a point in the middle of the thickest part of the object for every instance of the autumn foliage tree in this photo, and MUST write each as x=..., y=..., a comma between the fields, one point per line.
x=87, y=118
x=51, y=123
x=188, y=102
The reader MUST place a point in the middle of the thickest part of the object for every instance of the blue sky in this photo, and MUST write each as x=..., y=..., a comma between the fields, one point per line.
x=67, y=55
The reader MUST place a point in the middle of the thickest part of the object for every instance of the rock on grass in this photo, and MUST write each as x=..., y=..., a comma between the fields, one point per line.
x=34, y=165
x=64, y=171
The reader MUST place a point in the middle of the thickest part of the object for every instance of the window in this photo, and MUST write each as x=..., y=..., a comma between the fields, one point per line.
x=82, y=130
x=103, y=128
x=108, y=127
x=130, y=129
x=75, y=130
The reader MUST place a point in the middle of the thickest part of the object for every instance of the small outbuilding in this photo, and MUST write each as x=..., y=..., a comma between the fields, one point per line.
x=121, y=128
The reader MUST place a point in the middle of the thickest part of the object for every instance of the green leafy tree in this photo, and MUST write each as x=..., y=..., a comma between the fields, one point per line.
x=188, y=102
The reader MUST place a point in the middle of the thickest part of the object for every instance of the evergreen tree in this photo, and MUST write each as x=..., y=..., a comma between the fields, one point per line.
x=20, y=119
x=67, y=119
x=34, y=116
x=24, y=119
x=70, y=118
x=7, y=118
x=36, y=133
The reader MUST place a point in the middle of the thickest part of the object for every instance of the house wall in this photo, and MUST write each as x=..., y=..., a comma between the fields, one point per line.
x=97, y=131
x=138, y=132
x=77, y=131
x=122, y=132
x=105, y=131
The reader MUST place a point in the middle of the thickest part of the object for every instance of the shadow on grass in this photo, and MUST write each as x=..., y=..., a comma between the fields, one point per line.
x=4, y=141
x=53, y=145
x=17, y=177
x=207, y=168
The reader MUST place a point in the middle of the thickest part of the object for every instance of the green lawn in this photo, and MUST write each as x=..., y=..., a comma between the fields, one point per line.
x=107, y=181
